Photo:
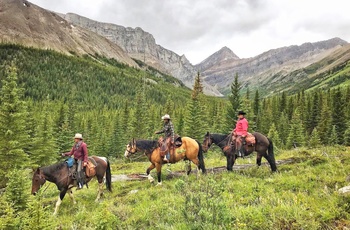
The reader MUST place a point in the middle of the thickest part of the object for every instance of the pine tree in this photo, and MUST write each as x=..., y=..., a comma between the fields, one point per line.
x=338, y=117
x=296, y=136
x=315, y=139
x=333, y=139
x=13, y=136
x=8, y=218
x=347, y=135
x=256, y=110
x=194, y=125
x=235, y=104
x=16, y=193
x=44, y=150
x=198, y=87
x=274, y=136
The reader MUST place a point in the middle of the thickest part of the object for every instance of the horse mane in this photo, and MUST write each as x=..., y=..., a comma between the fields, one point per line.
x=146, y=144
x=219, y=136
x=53, y=168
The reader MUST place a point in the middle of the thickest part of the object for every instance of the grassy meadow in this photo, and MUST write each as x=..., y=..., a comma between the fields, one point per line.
x=302, y=195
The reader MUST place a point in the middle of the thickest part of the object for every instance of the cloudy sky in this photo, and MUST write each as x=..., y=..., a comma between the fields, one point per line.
x=198, y=28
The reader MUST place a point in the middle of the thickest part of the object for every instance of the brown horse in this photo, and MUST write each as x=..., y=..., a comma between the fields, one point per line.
x=263, y=147
x=59, y=174
x=190, y=150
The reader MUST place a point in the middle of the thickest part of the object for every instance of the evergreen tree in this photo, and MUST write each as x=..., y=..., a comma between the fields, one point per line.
x=324, y=126
x=315, y=139
x=338, y=116
x=256, y=110
x=283, y=127
x=235, y=103
x=194, y=121
x=44, y=150
x=37, y=217
x=296, y=135
x=333, y=139
x=347, y=135
x=192, y=126
x=13, y=136
x=198, y=87
x=274, y=136
x=16, y=193
x=8, y=218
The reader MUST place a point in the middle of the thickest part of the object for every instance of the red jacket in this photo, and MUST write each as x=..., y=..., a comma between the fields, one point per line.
x=241, y=127
x=79, y=151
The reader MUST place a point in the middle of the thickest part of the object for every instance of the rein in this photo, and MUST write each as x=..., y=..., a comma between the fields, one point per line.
x=219, y=142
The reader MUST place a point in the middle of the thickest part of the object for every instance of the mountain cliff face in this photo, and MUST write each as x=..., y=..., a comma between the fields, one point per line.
x=27, y=24
x=266, y=67
x=141, y=45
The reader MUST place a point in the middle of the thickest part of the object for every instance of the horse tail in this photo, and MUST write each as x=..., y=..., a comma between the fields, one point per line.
x=271, y=155
x=201, y=158
x=108, y=177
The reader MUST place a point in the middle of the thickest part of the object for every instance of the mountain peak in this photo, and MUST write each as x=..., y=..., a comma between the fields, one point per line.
x=223, y=55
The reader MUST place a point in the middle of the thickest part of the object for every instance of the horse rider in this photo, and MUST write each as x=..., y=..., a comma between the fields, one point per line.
x=80, y=153
x=169, y=134
x=240, y=132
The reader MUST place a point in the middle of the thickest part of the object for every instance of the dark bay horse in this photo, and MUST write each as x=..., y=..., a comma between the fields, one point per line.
x=190, y=150
x=59, y=174
x=263, y=147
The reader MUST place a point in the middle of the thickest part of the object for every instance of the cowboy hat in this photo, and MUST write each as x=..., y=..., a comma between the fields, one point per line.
x=241, y=113
x=78, y=136
x=166, y=116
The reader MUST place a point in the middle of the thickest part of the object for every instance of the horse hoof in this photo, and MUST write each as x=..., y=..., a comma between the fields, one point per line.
x=159, y=184
x=151, y=180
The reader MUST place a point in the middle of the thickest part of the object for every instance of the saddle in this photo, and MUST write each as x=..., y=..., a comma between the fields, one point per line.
x=165, y=144
x=89, y=171
x=249, y=139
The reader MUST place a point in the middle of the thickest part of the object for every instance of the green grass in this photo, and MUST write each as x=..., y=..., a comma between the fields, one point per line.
x=302, y=195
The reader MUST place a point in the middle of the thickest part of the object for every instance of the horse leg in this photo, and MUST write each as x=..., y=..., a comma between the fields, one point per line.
x=230, y=157
x=100, y=191
x=258, y=159
x=188, y=167
x=59, y=201
x=159, y=173
x=150, y=178
x=70, y=193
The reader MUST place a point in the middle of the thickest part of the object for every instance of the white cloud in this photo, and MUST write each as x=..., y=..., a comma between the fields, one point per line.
x=199, y=28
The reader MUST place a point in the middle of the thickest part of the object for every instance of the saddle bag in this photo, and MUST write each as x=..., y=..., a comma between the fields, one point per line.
x=90, y=170
x=70, y=162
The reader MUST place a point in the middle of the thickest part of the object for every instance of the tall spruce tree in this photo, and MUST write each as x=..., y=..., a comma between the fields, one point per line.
x=338, y=116
x=296, y=136
x=194, y=124
x=13, y=136
x=235, y=103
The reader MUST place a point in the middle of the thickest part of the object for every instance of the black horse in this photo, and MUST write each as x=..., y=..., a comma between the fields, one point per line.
x=263, y=147
x=59, y=174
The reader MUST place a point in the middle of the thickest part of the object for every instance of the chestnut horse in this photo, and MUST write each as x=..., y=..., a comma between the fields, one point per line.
x=59, y=174
x=190, y=150
x=263, y=147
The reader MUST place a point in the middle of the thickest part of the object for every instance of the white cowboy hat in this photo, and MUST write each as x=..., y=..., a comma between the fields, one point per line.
x=78, y=136
x=166, y=116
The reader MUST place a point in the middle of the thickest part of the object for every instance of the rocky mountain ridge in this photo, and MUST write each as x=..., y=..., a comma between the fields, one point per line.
x=24, y=23
x=262, y=68
x=141, y=45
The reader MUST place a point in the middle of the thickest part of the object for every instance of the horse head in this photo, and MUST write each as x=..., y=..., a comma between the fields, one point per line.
x=130, y=148
x=207, y=142
x=37, y=181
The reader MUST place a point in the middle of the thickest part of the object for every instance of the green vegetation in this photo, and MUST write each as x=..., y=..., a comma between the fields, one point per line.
x=302, y=195
x=46, y=97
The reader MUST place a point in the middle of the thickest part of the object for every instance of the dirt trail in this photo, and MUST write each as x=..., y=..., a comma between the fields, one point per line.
x=139, y=177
